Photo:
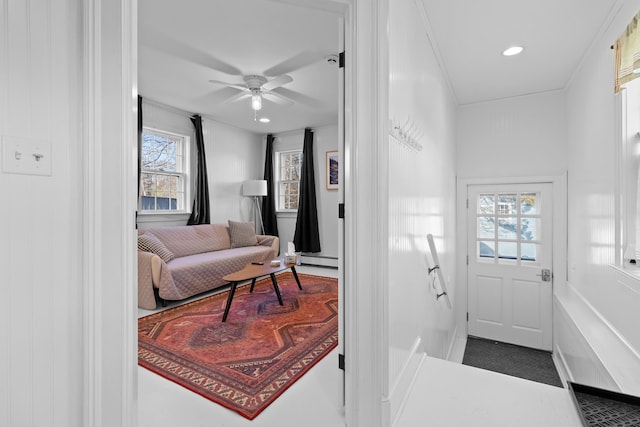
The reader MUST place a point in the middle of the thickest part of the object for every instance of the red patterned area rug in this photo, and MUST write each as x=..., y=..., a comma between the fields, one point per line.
x=245, y=363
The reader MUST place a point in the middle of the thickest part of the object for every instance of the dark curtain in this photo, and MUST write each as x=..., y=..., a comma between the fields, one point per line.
x=269, y=220
x=307, y=237
x=139, y=142
x=200, y=209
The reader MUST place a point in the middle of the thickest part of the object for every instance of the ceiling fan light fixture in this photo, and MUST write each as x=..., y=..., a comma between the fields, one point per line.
x=256, y=100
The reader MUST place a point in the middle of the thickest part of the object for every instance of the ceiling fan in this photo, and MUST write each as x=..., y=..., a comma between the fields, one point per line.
x=259, y=87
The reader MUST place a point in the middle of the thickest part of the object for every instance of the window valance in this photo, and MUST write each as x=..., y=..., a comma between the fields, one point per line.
x=627, y=54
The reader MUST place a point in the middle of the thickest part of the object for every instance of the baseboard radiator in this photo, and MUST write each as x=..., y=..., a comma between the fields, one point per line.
x=319, y=260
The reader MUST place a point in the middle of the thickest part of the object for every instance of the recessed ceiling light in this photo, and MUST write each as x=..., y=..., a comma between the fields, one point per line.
x=514, y=50
x=264, y=120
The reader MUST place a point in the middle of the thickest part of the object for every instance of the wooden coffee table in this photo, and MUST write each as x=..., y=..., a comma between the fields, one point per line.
x=253, y=271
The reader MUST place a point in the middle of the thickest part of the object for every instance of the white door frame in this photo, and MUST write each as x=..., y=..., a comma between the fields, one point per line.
x=109, y=267
x=559, y=242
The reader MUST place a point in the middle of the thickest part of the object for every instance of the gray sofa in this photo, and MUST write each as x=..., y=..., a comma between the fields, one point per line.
x=179, y=262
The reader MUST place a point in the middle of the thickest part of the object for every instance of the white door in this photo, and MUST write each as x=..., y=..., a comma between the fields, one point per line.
x=509, y=263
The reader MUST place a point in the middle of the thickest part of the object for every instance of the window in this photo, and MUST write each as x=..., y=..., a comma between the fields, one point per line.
x=630, y=173
x=288, y=165
x=508, y=227
x=164, y=166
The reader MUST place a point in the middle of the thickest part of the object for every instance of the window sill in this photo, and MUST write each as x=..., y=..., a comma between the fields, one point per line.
x=149, y=217
x=148, y=213
x=287, y=214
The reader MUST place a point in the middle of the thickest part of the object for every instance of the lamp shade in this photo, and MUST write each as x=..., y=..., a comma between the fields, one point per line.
x=256, y=187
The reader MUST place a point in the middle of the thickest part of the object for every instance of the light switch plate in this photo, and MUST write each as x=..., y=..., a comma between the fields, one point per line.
x=27, y=156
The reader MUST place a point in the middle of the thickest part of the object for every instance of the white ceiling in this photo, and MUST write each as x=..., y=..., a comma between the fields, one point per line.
x=184, y=44
x=471, y=35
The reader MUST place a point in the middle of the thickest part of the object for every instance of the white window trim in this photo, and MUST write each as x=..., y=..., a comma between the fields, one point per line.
x=186, y=167
x=277, y=180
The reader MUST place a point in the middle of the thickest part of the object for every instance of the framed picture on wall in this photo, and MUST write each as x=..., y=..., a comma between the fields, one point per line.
x=333, y=165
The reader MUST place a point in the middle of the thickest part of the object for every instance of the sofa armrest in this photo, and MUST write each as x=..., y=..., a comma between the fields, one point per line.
x=272, y=241
x=146, y=295
x=156, y=269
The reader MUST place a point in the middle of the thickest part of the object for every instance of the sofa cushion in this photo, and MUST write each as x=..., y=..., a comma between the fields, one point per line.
x=148, y=242
x=242, y=234
x=198, y=273
x=193, y=239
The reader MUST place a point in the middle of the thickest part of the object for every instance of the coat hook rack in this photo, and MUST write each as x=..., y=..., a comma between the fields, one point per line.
x=408, y=133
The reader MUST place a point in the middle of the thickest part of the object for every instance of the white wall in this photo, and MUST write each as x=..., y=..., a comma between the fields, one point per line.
x=514, y=137
x=41, y=351
x=325, y=139
x=233, y=156
x=597, y=296
x=421, y=199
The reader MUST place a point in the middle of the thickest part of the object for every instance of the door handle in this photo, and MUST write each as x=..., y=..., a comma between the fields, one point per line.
x=546, y=275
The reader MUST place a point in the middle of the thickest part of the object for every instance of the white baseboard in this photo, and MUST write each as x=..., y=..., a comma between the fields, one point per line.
x=456, y=349
x=561, y=366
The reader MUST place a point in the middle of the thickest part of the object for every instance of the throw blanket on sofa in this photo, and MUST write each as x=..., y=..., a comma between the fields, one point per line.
x=187, y=260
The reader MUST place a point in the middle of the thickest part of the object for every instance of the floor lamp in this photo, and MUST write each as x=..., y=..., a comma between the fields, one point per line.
x=255, y=189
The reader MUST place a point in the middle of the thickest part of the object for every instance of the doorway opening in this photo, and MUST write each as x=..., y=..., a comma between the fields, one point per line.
x=211, y=62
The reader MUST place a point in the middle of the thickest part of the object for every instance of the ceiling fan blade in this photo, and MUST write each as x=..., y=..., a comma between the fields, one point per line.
x=239, y=96
x=188, y=53
x=277, y=82
x=233, y=85
x=296, y=62
x=224, y=95
x=277, y=98
x=296, y=97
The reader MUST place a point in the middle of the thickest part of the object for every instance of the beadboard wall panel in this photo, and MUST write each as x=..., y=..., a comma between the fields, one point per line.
x=515, y=137
x=233, y=156
x=593, y=142
x=421, y=199
x=40, y=228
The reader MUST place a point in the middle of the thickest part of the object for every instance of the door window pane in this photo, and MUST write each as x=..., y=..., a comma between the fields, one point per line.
x=529, y=251
x=507, y=204
x=530, y=228
x=486, y=204
x=507, y=228
x=486, y=227
x=507, y=250
x=528, y=204
x=486, y=249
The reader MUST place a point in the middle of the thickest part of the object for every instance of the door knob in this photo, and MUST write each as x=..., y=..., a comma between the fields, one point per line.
x=545, y=273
